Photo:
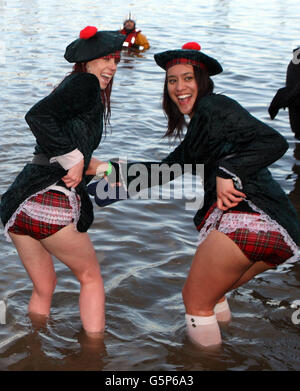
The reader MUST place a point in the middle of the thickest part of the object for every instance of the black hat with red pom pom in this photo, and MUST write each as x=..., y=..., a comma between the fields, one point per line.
x=190, y=53
x=93, y=44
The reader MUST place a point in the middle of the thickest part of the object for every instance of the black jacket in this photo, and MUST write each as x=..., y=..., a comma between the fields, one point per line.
x=223, y=135
x=70, y=117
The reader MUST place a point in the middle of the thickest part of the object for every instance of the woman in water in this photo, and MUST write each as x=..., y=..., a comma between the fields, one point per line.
x=247, y=224
x=47, y=211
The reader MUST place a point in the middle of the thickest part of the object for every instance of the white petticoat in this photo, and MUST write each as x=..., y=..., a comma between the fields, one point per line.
x=48, y=214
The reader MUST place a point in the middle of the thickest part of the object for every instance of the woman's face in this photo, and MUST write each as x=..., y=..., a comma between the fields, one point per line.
x=182, y=87
x=104, y=68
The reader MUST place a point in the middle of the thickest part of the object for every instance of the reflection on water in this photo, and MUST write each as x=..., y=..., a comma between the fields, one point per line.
x=145, y=247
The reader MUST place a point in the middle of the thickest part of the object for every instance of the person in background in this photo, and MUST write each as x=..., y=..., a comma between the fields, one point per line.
x=246, y=225
x=289, y=96
x=47, y=211
x=134, y=38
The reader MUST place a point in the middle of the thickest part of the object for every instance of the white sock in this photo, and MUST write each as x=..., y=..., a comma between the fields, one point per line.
x=222, y=311
x=203, y=330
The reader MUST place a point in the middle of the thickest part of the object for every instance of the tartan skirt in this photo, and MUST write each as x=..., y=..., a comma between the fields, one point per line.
x=43, y=215
x=266, y=244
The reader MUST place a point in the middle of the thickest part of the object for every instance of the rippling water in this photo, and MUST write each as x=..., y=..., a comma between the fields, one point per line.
x=145, y=247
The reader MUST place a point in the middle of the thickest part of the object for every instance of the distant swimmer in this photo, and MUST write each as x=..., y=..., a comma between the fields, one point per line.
x=289, y=96
x=134, y=38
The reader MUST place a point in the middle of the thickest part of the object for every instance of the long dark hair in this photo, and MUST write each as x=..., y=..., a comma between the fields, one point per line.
x=176, y=120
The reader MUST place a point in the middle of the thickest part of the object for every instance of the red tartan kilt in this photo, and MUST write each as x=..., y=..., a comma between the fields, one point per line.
x=269, y=246
x=26, y=225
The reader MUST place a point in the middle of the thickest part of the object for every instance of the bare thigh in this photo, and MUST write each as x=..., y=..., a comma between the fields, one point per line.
x=217, y=265
x=256, y=268
x=75, y=250
x=36, y=260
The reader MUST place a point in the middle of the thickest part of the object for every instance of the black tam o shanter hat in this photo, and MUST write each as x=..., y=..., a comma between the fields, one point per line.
x=190, y=53
x=93, y=44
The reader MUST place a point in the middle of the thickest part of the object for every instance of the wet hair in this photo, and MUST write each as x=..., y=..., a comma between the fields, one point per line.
x=176, y=120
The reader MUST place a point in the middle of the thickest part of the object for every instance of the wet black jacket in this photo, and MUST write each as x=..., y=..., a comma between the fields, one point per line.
x=70, y=117
x=223, y=135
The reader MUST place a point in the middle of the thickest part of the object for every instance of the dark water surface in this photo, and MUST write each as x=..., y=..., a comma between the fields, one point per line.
x=145, y=247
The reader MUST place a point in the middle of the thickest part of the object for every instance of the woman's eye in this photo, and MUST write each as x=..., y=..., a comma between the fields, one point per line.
x=172, y=81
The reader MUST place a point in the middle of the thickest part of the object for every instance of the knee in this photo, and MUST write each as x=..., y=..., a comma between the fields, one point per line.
x=89, y=276
x=196, y=303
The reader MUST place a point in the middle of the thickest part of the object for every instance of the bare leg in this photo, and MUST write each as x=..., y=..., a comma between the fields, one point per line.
x=256, y=268
x=39, y=266
x=222, y=309
x=217, y=265
x=75, y=250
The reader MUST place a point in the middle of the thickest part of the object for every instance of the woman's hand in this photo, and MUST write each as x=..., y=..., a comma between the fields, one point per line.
x=227, y=195
x=74, y=175
x=94, y=164
x=102, y=167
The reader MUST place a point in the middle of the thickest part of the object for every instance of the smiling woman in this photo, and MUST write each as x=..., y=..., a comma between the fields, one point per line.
x=47, y=211
x=104, y=68
x=185, y=85
x=183, y=88
x=241, y=232
x=247, y=224
x=87, y=60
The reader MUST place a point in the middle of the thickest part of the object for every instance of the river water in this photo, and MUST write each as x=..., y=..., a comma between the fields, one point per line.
x=145, y=247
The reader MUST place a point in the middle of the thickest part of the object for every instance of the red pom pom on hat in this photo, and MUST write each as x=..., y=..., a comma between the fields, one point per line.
x=88, y=32
x=191, y=46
